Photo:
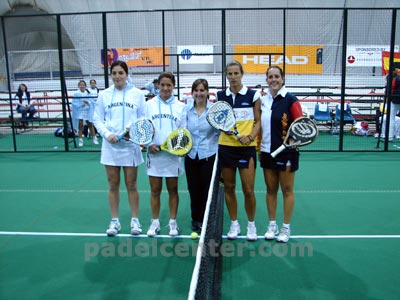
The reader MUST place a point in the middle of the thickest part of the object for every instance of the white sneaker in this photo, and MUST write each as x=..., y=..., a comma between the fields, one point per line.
x=272, y=232
x=284, y=235
x=251, y=233
x=234, y=231
x=173, y=228
x=113, y=228
x=153, y=229
x=80, y=143
x=136, y=228
x=95, y=141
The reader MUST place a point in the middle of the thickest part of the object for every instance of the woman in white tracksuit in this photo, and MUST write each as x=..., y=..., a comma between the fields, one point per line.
x=116, y=109
x=167, y=114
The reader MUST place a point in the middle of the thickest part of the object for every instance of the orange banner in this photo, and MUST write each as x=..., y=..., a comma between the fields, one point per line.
x=137, y=57
x=299, y=59
x=385, y=61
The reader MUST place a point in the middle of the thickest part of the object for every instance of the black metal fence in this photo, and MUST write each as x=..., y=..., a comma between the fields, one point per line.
x=333, y=59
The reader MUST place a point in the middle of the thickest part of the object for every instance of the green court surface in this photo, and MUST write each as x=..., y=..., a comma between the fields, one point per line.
x=54, y=212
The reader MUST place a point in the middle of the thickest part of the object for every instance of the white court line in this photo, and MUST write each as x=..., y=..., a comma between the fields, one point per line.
x=359, y=236
x=363, y=191
x=77, y=234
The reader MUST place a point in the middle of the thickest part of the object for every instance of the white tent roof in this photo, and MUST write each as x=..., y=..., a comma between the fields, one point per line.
x=74, y=6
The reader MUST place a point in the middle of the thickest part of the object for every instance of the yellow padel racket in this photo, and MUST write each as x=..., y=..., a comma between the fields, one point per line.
x=179, y=142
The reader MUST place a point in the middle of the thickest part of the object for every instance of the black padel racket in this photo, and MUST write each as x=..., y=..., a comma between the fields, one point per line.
x=301, y=132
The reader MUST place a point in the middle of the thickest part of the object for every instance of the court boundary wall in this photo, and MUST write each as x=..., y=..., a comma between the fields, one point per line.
x=363, y=87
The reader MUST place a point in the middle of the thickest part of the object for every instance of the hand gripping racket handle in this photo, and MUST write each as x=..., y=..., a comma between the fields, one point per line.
x=277, y=151
x=122, y=135
x=235, y=132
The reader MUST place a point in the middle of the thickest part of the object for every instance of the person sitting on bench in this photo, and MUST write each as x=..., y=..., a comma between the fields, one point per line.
x=24, y=105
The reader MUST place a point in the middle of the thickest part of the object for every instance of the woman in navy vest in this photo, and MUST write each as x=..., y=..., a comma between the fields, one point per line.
x=279, y=109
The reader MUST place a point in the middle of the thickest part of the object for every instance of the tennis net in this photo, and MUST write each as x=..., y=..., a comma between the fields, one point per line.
x=207, y=273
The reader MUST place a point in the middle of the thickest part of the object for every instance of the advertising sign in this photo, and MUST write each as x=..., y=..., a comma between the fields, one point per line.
x=365, y=55
x=188, y=54
x=137, y=57
x=298, y=59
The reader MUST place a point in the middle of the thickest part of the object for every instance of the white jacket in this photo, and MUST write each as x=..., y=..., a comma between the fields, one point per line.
x=116, y=110
x=166, y=116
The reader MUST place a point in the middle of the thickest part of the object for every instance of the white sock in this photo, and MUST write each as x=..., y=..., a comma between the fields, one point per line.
x=272, y=223
x=234, y=222
x=251, y=223
x=135, y=219
x=156, y=221
x=287, y=226
x=115, y=220
x=172, y=221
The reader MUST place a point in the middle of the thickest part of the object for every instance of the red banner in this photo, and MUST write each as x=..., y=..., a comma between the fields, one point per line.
x=385, y=61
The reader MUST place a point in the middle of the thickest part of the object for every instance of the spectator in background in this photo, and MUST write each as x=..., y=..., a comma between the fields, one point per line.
x=93, y=89
x=152, y=87
x=394, y=103
x=94, y=93
x=82, y=110
x=278, y=110
x=24, y=105
x=199, y=161
x=396, y=130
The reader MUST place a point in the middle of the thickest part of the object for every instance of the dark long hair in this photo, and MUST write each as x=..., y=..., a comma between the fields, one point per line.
x=120, y=63
x=20, y=93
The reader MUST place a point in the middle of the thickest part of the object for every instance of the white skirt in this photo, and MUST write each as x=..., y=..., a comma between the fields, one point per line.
x=163, y=164
x=123, y=154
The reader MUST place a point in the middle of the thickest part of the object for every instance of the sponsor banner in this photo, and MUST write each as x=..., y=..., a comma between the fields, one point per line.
x=137, y=57
x=298, y=59
x=365, y=55
x=386, y=61
x=187, y=54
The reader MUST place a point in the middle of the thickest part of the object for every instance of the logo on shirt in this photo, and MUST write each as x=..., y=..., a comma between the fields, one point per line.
x=164, y=116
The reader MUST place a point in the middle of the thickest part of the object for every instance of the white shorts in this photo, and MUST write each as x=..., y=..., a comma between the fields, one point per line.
x=163, y=164
x=123, y=154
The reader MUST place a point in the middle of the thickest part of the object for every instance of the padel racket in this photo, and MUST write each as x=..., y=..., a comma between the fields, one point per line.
x=301, y=132
x=179, y=142
x=141, y=132
x=222, y=117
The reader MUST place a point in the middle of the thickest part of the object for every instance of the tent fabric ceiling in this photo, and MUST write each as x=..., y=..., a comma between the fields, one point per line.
x=76, y=6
